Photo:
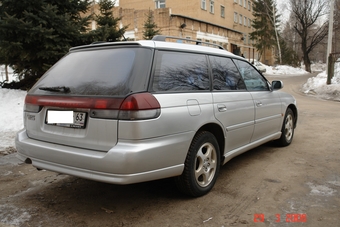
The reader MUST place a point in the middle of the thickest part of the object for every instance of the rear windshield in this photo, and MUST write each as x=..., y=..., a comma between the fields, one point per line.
x=104, y=72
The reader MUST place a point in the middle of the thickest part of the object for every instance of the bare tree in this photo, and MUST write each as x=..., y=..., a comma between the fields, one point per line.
x=306, y=14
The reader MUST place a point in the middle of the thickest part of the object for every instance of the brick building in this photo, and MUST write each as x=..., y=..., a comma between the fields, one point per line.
x=224, y=22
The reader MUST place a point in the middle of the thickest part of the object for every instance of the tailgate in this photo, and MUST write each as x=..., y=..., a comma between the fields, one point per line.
x=88, y=133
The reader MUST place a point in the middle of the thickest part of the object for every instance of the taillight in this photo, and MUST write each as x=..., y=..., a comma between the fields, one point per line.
x=134, y=107
x=31, y=105
x=74, y=102
x=139, y=107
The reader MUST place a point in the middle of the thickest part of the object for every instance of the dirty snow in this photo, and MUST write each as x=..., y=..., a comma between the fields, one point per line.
x=321, y=190
x=317, y=86
x=12, y=215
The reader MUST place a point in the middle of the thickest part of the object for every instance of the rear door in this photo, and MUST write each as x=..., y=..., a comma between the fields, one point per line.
x=233, y=104
x=268, y=113
x=181, y=85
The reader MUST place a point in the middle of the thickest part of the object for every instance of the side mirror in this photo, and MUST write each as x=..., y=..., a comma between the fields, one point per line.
x=277, y=85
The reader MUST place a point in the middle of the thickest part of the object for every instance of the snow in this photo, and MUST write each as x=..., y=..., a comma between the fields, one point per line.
x=289, y=70
x=11, y=112
x=11, y=75
x=12, y=101
x=317, y=86
x=284, y=70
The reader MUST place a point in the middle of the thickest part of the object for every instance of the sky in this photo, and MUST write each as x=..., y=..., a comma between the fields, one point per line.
x=12, y=101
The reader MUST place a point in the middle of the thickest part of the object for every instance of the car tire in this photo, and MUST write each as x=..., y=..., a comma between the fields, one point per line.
x=202, y=165
x=287, y=130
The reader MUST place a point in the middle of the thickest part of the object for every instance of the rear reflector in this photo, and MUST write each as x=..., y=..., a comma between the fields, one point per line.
x=74, y=102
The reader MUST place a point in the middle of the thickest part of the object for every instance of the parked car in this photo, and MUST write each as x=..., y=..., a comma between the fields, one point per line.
x=128, y=112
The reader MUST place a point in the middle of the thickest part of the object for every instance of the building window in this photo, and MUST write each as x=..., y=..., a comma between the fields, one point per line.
x=235, y=1
x=222, y=11
x=212, y=8
x=235, y=17
x=160, y=4
x=249, y=5
x=241, y=20
x=240, y=2
x=245, y=21
x=249, y=23
x=204, y=4
x=245, y=4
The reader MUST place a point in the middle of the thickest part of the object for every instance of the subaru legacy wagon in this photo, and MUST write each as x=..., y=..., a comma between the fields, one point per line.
x=129, y=112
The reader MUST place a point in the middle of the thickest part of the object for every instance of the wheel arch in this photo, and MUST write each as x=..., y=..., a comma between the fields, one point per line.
x=218, y=132
x=295, y=112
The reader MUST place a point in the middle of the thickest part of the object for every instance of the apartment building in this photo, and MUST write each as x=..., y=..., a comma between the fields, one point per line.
x=224, y=22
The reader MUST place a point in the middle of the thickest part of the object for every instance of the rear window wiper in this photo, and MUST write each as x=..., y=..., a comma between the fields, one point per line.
x=56, y=89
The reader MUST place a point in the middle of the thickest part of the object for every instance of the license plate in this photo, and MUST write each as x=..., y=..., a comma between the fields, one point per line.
x=70, y=119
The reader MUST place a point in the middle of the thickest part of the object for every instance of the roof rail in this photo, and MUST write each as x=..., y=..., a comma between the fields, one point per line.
x=197, y=42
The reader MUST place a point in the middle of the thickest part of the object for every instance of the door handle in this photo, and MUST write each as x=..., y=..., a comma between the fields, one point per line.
x=259, y=104
x=221, y=108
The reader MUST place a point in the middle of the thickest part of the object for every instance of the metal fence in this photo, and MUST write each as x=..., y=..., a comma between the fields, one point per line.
x=333, y=61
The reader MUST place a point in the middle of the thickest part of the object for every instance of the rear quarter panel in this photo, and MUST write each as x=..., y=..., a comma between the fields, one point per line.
x=180, y=112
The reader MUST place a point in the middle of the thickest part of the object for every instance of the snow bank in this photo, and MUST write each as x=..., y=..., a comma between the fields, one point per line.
x=317, y=86
x=319, y=67
x=11, y=120
x=284, y=70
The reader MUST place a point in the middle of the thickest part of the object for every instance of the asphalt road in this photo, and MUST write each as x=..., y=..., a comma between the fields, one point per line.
x=297, y=185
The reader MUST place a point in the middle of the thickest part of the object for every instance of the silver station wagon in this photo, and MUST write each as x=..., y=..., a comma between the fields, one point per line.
x=129, y=112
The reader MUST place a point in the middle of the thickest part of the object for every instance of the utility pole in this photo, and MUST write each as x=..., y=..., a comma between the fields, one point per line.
x=330, y=31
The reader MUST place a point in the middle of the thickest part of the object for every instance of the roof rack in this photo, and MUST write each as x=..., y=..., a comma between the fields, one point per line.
x=197, y=42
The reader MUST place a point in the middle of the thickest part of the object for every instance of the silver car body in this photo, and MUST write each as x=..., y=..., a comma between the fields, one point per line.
x=129, y=151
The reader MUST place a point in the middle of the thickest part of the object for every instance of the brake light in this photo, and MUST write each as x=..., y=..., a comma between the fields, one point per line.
x=139, y=106
x=134, y=107
x=140, y=101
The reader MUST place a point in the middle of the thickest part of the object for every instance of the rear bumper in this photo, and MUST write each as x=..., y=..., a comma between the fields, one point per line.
x=126, y=163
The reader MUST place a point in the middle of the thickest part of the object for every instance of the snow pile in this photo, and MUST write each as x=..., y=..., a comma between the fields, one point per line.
x=319, y=67
x=318, y=85
x=284, y=70
x=11, y=112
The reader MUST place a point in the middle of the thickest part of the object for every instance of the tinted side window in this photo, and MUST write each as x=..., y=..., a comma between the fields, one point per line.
x=253, y=79
x=225, y=74
x=176, y=71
